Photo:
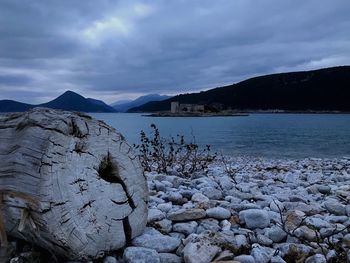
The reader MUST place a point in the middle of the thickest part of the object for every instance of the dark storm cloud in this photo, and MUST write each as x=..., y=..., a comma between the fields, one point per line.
x=116, y=49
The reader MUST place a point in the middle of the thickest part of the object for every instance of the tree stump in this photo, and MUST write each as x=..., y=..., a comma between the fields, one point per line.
x=69, y=183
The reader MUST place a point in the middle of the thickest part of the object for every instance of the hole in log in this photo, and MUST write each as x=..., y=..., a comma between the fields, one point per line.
x=108, y=170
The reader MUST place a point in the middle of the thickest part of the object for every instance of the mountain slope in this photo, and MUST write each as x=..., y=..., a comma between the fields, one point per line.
x=12, y=106
x=69, y=100
x=123, y=107
x=320, y=90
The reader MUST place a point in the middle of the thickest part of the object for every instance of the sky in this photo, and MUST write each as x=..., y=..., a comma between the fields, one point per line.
x=114, y=50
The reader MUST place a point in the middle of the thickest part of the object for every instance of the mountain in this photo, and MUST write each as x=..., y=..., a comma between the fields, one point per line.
x=316, y=90
x=123, y=107
x=69, y=100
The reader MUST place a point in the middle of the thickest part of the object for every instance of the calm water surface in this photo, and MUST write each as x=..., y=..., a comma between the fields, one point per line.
x=260, y=135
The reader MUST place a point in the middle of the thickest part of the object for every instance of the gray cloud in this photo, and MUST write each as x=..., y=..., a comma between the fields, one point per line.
x=118, y=49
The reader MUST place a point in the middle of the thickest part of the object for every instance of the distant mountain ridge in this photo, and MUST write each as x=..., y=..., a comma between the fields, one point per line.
x=126, y=105
x=325, y=89
x=69, y=100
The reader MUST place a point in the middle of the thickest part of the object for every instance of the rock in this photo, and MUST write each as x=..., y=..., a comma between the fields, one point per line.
x=294, y=219
x=199, y=198
x=176, y=198
x=200, y=252
x=276, y=234
x=110, y=259
x=218, y=213
x=212, y=193
x=224, y=256
x=225, y=225
x=140, y=255
x=241, y=241
x=153, y=239
x=317, y=222
x=277, y=259
x=169, y=258
x=335, y=208
x=324, y=189
x=262, y=254
x=245, y=259
x=208, y=224
x=318, y=258
x=165, y=207
x=255, y=218
x=185, y=228
x=164, y=226
x=264, y=240
x=187, y=214
x=276, y=206
x=155, y=215
x=306, y=233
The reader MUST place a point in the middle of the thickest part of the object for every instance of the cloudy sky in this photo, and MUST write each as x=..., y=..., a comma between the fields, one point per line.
x=114, y=50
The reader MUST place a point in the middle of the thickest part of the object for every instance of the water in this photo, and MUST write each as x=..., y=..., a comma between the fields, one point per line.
x=259, y=135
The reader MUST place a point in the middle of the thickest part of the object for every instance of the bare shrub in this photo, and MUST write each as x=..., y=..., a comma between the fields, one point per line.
x=172, y=156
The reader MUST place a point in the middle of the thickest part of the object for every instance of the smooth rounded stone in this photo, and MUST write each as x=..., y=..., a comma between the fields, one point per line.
x=264, y=240
x=224, y=256
x=336, y=219
x=199, y=198
x=318, y=258
x=140, y=255
x=226, y=183
x=225, y=225
x=165, y=207
x=169, y=258
x=346, y=240
x=185, y=228
x=335, y=208
x=306, y=233
x=212, y=193
x=155, y=200
x=188, y=193
x=294, y=219
x=277, y=259
x=176, y=198
x=177, y=235
x=208, y=224
x=187, y=214
x=155, y=215
x=153, y=239
x=262, y=254
x=255, y=218
x=164, y=225
x=324, y=189
x=110, y=259
x=297, y=198
x=276, y=206
x=347, y=210
x=200, y=252
x=317, y=222
x=241, y=241
x=245, y=259
x=276, y=234
x=160, y=186
x=189, y=205
x=218, y=213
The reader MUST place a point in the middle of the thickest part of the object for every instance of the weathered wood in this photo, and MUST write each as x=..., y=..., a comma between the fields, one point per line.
x=69, y=183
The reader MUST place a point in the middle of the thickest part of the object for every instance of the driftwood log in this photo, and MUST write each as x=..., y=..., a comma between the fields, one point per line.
x=68, y=183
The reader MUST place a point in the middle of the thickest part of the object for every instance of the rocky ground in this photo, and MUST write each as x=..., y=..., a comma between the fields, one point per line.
x=247, y=210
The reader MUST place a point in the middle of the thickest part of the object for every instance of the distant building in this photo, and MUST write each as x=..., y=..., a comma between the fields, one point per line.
x=176, y=107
